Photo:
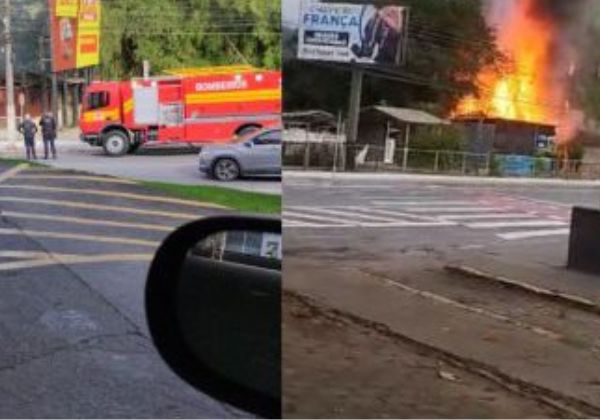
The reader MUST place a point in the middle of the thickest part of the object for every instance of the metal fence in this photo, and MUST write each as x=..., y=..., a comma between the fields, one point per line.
x=331, y=156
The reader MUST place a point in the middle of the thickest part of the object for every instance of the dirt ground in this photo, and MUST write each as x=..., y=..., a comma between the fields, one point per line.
x=335, y=368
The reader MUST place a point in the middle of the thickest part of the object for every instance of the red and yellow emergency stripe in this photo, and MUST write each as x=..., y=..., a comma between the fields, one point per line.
x=235, y=96
x=101, y=115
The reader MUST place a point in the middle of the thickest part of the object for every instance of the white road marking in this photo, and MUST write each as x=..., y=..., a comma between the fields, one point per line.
x=421, y=203
x=489, y=216
x=86, y=221
x=533, y=234
x=74, y=259
x=392, y=213
x=516, y=224
x=118, y=209
x=340, y=213
x=90, y=178
x=458, y=209
x=370, y=225
x=290, y=214
x=80, y=237
x=12, y=172
x=114, y=194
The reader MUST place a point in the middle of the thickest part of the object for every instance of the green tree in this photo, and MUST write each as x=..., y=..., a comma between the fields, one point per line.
x=188, y=33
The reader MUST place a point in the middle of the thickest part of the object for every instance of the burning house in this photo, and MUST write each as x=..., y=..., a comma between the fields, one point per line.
x=523, y=104
x=506, y=136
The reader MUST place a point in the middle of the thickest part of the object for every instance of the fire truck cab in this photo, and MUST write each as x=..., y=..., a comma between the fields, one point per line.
x=193, y=106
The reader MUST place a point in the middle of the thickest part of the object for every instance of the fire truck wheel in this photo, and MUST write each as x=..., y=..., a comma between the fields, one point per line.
x=226, y=170
x=116, y=143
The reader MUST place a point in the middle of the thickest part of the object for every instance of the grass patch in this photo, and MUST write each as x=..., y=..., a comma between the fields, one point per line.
x=15, y=162
x=236, y=200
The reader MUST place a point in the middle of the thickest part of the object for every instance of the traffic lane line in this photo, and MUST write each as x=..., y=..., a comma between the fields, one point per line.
x=114, y=194
x=531, y=234
x=12, y=172
x=79, y=237
x=460, y=209
x=87, y=221
x=94, y=206
x=57, y=259
x=516, y=224
x=490, y=216
x=84, y=178
x=375, y=210
x=342, y=214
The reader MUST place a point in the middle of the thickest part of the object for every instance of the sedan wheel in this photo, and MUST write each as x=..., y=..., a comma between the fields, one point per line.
x=226, y=170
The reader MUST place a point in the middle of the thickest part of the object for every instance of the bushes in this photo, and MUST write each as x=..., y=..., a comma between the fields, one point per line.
x=446, y=139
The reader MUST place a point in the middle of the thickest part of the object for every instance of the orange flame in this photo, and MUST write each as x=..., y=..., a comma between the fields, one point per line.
x=522, y=91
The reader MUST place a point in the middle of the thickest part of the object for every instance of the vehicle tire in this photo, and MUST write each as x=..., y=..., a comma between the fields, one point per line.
x=115, y=143
x=133, y=148
x=226, y=170
x=247, y=130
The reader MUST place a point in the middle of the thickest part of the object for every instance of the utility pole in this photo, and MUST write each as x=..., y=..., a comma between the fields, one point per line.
x=42, y=60
x=10, y=78
x=353, y=116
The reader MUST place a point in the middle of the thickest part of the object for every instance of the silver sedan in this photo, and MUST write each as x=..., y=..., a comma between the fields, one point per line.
x=256, y=154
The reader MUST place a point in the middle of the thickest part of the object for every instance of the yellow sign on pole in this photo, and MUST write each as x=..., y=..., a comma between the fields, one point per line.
x=67, y=8
x=88, y=35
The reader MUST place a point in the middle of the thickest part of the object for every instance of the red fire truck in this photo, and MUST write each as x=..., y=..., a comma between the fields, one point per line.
x=184, y=106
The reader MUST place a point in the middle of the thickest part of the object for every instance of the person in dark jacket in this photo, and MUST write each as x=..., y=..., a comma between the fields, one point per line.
x=48, y=126
x=29, y=129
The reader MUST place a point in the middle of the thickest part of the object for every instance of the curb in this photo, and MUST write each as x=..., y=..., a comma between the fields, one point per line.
x=448, y=179
x=555, y=296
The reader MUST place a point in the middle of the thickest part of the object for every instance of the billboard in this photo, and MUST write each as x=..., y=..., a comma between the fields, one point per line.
x=67, y=8
x=75, y=33
x=88, y=34
x=345, y=32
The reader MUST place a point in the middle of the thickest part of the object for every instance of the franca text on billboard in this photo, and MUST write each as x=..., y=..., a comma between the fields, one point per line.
x=350, y=32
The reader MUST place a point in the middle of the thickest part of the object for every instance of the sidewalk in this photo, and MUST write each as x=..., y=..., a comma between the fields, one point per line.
x=525, y=358
x=68, y=140
x=439, y=179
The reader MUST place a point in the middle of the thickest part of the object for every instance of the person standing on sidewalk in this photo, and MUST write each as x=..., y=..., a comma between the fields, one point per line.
x=29, y=129
x=48, y=126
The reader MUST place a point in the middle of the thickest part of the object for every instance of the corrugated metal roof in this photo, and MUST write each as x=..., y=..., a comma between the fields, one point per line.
x=409, y=116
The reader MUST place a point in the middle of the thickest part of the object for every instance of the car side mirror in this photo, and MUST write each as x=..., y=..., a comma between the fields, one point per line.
x=249, y=144
x=213, y=305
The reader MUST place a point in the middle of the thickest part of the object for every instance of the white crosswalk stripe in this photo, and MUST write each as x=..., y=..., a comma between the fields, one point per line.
x=512, y=236
x=510, y=222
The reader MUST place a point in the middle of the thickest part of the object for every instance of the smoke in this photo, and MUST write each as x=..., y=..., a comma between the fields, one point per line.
x=558, y=12
x=570, y=50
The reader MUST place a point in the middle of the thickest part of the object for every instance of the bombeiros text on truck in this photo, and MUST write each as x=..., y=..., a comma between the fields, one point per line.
x=206, y=105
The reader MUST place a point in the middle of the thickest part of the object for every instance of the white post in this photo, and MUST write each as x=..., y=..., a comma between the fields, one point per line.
x=406, y=146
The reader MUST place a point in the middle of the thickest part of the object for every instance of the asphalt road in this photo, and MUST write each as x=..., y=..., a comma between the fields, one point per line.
x=154, y=165
x=379, y=216
x=375, y=251
x=74, y=254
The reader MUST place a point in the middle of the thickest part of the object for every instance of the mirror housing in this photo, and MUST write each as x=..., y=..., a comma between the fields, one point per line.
x=249, y=144
x=216, y=329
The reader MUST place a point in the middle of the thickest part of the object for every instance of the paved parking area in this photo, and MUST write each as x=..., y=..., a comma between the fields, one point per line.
x=74, y=254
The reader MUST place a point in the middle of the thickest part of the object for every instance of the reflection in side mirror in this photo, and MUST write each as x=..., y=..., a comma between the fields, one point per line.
x=214, y=310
